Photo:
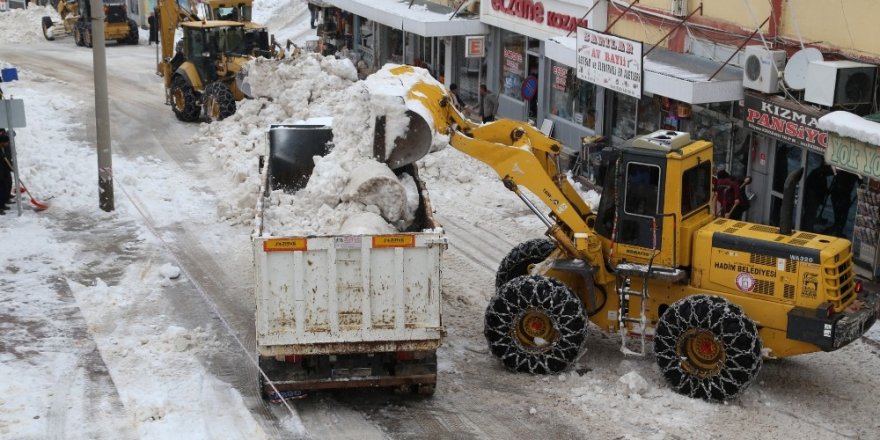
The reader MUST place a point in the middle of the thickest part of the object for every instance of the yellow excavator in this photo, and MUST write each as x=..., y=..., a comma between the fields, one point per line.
x=206, y=69
x=257, y=36
x=76, y=20
x=653, y=264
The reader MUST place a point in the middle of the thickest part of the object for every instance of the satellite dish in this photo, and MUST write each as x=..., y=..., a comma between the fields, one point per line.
x=796, y=70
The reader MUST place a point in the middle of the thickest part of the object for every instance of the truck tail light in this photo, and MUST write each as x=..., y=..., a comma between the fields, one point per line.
x=830, y=310
x=858, y=287
x=293, y=358
x=405, y=355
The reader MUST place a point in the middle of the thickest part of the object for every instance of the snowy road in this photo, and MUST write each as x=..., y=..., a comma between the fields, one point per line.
x=124, y=357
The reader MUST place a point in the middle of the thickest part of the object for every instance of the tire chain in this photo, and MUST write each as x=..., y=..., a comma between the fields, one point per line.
x=727, y=322
x=222, y=97
x=515, y=263
x=558, y=302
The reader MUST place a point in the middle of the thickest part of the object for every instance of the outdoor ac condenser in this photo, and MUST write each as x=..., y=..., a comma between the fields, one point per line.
x=762, y=68
x=833, y=83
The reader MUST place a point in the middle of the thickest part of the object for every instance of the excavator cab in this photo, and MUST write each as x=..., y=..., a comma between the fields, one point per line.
x=657, y=192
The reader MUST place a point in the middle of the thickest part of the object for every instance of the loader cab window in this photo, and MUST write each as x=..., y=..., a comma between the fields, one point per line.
x=695, y=188
x=228, y=40
x=642, y=189
x=223, y=13
x=641, y=206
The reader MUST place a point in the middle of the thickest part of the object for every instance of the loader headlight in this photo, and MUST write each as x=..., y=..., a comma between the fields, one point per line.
x=241, y=81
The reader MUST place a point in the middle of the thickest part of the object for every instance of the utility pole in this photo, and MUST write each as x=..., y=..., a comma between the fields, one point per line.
x=102, y=113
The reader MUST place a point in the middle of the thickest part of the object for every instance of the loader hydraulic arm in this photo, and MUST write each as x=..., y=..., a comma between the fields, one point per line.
x=171, y=14
x=517, y=151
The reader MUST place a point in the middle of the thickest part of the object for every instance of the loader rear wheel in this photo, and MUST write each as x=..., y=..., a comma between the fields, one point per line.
x=184, y=101
x=218, y=102
x=47, y=24
x=535, y=324
x=521, y=258
x=707, y=348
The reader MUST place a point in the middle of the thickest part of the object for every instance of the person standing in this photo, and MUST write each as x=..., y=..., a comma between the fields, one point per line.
x=488, y=104
x=453, y=95
x=740, y=209
x=154, y=28
x=727, y=194
x=5, y=171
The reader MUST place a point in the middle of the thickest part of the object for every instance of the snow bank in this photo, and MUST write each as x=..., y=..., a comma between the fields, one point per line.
x=24, y=26
x=851, y=125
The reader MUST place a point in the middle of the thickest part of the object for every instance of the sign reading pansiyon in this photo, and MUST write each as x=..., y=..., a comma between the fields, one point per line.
x=610, y=61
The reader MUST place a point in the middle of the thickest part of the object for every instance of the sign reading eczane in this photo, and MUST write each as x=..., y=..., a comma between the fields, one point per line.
x=610, y=61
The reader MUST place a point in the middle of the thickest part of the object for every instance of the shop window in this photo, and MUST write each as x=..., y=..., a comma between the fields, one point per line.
x=394, y=45
x=718, y=123
x=466, y=73
x=513, y=63
x=570, y=98
x=695, y=188
x=624, y=121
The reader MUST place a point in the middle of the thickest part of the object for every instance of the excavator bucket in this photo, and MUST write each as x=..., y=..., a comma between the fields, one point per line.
x=412, y=146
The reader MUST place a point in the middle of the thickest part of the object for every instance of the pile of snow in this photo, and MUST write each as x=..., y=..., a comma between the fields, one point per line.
x=345, y=182
x=851, y=125
x=287, y=20
x=24, y=26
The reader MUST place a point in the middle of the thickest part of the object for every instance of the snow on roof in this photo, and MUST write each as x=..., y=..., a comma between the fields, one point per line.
x=851, y=125
x=418, y=16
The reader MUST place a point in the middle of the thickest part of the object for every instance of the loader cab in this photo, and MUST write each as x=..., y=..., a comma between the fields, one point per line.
x=656, y=193
x=205, y=42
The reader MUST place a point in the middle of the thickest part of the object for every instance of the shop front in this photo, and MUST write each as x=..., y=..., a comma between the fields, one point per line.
x=530, y=86
x=415, y=32
x=679, y=92
x=785, y=137
x=854, y=145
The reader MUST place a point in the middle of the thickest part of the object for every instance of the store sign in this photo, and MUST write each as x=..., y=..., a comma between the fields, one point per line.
x=513, y=61
x=853, y=155
x=475, y=46
x=609, y=61
x=792, y=124
x=560, y=78
x=542, y=18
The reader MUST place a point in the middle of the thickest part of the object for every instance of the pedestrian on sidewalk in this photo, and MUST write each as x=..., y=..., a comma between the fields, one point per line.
x=488, y=104
x=5, y=171
x=154, y=28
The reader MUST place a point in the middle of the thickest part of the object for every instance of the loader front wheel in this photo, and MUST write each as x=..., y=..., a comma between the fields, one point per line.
x=707, y=348
x=520, y=259
x=535, y=324
x=184, y=101
x=47, y=25
x=219, y=103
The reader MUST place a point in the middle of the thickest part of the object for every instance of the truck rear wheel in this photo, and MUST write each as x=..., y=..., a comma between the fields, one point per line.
x=535, y=324
x=219, y=103
x=184, y=101
x=520, y=258
x=47, y=25
x=707, y=348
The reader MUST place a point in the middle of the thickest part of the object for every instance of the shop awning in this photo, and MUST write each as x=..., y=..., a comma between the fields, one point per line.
x=852, y=125
x=683, y=77
x=419, y=17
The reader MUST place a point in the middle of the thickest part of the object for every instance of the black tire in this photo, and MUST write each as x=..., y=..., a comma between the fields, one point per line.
x=77, y=35
x=47, y=24
x=218, y=102
x=133, y=36
x=184, y=101
x=707, y=348
x=531, y=307
x=518, y=260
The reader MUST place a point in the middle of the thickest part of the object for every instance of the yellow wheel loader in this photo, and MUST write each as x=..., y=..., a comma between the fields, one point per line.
x=76, y=20
x=653, y=264
x=203, y=78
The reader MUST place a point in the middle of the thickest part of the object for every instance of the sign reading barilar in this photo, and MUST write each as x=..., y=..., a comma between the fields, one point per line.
x=610, y=61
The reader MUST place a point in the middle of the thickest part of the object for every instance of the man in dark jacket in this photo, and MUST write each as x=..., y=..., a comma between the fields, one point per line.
x=154, y=28
x=488, y=104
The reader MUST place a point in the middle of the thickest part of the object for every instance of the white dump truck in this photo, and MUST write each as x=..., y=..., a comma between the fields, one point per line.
x=343, y=311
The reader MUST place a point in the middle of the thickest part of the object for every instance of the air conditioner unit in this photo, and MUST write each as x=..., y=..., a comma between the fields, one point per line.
x=833, y=83
x=664, y=140
x=762, y=68
x=679, y=8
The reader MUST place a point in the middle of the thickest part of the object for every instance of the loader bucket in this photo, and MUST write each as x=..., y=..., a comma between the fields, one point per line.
x=291, y=152
x=414, y=145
